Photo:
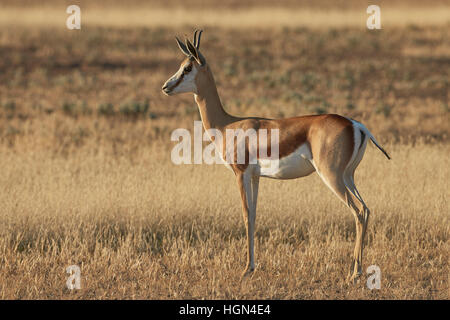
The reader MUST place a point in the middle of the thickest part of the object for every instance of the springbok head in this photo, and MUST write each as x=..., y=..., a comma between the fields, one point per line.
x=184, y=80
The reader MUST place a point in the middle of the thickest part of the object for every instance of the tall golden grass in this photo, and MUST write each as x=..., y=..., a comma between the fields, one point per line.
x=141, y=227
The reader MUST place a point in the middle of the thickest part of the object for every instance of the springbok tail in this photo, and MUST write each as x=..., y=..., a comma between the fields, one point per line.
x=379, y=147
x=372, y=138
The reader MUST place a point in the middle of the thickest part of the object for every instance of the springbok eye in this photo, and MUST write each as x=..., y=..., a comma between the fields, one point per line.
x=187, y=69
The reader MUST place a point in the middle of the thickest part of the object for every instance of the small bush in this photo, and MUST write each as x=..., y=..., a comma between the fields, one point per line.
x=106, y=109
x=134, y=109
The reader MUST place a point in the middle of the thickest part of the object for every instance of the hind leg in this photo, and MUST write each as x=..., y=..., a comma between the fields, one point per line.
x=365, y=213
x=337, y=183
x=349, y=178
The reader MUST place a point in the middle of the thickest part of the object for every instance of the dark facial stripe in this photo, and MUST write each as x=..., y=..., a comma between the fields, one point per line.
x=178, y=81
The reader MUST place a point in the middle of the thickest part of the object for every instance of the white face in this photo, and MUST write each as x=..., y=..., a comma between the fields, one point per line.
x=183, y=80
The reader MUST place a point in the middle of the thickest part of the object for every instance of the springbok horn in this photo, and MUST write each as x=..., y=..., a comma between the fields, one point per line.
x=195, y=38
x=192, y=50
x=197, y=43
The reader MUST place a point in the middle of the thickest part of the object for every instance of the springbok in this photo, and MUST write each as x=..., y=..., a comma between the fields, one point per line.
x=330, y=144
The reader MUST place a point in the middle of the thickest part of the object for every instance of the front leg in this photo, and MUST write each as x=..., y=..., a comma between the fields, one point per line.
x=248, y=187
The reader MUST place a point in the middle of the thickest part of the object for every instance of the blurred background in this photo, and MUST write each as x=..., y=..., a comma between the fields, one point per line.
x=274, y=60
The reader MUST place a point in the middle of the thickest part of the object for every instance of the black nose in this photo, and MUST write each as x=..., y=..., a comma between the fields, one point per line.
x=165, y=88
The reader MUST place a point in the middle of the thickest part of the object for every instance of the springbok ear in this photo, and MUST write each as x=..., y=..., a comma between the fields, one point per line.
x=193, y=51
x=182, y=47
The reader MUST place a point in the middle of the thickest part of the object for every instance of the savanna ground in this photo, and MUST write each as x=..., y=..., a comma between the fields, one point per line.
x=85, y=151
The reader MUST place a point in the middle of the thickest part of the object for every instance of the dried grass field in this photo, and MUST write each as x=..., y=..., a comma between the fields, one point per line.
x=87, y=178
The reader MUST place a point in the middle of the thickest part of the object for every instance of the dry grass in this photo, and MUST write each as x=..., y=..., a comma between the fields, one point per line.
x=136, y=231
x=87, y=179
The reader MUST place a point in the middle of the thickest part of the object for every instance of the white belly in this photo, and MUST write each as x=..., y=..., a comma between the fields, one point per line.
x=296, y=165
